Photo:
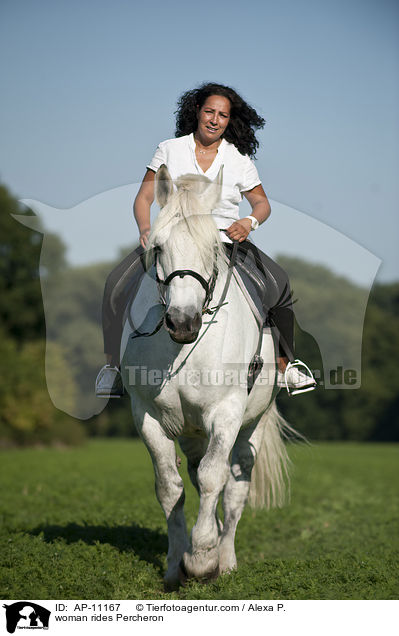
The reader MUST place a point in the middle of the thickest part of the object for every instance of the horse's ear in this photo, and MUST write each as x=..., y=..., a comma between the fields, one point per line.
x=214, y=190
x=163, y=185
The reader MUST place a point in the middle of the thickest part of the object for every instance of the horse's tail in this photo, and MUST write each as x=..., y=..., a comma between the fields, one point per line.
x=270, y=484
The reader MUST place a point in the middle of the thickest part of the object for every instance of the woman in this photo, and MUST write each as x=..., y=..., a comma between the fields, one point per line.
x=214, y=127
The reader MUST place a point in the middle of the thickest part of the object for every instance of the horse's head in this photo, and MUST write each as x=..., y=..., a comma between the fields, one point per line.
x=186, y=242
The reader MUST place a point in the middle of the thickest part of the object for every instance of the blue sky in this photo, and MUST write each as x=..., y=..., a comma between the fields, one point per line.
x=89, y=89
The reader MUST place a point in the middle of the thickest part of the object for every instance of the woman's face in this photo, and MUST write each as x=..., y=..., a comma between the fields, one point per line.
x=213, y=118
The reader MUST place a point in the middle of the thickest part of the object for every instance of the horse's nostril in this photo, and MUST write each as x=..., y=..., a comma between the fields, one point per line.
x=169, y=322
x=197, y=321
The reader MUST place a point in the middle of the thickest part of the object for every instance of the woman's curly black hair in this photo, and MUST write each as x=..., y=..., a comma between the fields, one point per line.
x=244, y=120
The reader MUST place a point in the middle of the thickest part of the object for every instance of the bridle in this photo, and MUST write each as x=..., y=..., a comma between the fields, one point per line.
x=208, y=285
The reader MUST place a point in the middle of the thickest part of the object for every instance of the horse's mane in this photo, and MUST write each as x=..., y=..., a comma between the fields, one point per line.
x=185, y=208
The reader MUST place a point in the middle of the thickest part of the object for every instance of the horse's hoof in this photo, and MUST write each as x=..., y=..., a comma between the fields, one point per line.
x=227, y=569
x=202, y=565
x=171, y=585
x=172, y=582
x=210, y=577
x=183, y=576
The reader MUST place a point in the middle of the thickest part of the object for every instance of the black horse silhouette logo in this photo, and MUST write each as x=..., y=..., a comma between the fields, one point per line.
x=28, y=614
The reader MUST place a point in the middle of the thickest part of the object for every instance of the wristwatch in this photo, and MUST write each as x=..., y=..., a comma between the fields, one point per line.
x=254, y=222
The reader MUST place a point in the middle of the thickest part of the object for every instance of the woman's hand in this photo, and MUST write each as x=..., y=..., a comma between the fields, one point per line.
x=144, y=237
x=239, y=230
x=260, y=210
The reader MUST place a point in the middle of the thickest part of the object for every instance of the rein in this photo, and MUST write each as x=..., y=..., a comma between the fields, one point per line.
x=232, y=262
x=256, y=364
x=212, y=311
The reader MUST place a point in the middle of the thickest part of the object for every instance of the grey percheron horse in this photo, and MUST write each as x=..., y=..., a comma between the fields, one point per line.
x=189, y=384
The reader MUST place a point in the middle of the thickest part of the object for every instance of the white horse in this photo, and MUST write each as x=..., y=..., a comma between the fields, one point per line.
x=188, y=382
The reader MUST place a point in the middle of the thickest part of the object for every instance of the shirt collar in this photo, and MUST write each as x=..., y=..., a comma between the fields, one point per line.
x=192, y=143
x=218, y=159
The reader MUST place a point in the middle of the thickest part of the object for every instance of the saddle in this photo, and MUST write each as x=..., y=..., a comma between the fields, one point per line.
x=257, y=284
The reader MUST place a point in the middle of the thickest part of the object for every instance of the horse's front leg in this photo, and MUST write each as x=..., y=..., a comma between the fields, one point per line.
x=236, y=491
x=170, y=493
x=203, y=559
x=194, y=449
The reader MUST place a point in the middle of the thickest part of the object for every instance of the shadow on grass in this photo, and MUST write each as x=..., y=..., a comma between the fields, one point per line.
x=146, y=543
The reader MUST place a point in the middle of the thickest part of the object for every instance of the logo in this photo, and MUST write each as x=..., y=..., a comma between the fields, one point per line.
x=26, y=615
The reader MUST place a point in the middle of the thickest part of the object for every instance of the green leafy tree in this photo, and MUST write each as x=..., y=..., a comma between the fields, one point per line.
x=27, y=415
x=21, y=307
x=370, y=412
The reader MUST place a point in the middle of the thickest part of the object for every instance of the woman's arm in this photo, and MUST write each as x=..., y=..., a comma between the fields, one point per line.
x=142, y=205
x=261, y=210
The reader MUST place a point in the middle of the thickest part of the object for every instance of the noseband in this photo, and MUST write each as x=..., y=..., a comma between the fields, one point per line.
x=209, y=285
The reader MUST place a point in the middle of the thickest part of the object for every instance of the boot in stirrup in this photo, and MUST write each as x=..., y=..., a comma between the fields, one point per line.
x=295, y=380
x=109, y=383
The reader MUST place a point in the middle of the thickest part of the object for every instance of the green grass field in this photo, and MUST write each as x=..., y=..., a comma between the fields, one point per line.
x=85, y=524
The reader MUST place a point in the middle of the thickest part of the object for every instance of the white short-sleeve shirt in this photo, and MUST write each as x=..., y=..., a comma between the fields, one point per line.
x=239, y=173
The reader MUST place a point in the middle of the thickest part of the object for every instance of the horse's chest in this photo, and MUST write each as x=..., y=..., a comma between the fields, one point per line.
x=181, y=410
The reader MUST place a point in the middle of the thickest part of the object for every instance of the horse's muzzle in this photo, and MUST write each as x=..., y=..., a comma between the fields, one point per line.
x=182, y=328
